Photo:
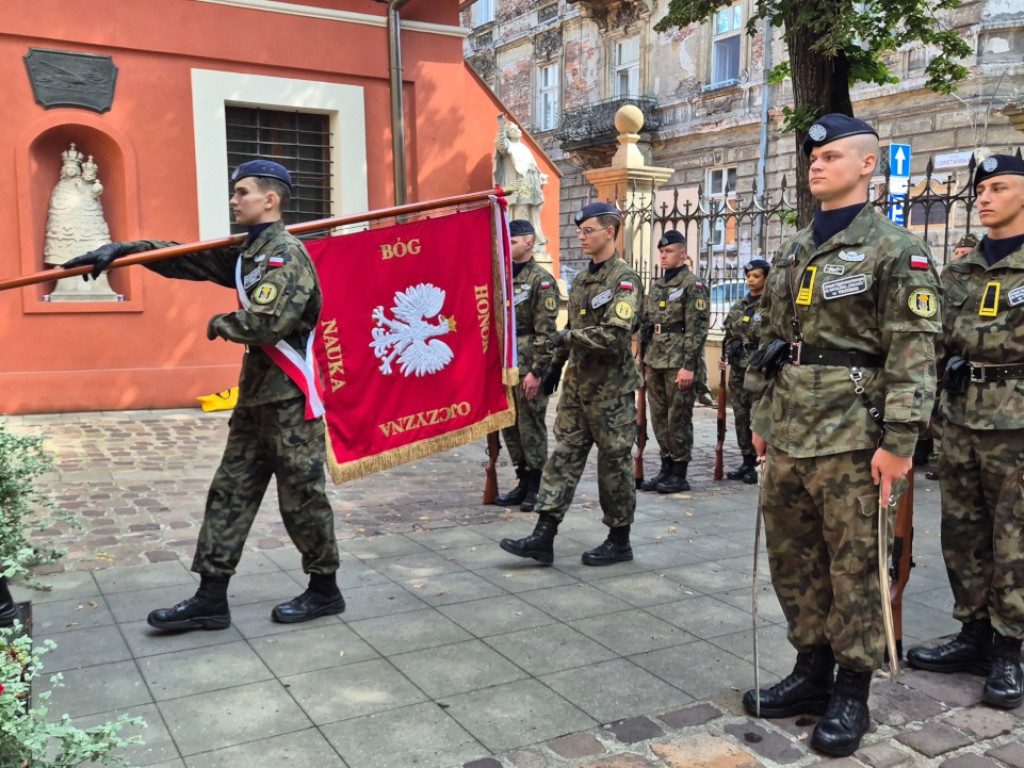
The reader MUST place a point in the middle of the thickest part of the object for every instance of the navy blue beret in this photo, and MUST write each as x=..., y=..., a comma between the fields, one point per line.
x=595, y=209
x=266, y=169
x=520, y=227
x=828, y=128
x=998, y=165
x=671, y=237
x=757, y=264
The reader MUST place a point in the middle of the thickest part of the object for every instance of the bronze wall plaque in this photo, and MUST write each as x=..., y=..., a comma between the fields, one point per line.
x=70, y=79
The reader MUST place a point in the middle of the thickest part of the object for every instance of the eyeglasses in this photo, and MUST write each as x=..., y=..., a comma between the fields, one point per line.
x=588, y=231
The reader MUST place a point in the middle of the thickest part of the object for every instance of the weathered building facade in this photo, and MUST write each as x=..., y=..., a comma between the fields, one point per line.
x=563, y=67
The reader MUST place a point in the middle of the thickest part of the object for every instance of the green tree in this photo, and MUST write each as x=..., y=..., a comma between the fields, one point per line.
x=833, y=44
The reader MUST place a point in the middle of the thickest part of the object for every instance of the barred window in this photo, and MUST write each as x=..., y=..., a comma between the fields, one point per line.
x=300, y=141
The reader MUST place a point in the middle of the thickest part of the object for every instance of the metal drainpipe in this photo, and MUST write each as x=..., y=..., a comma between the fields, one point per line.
x=397, y=98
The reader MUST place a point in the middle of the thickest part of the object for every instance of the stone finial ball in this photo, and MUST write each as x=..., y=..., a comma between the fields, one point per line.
x=629, y=119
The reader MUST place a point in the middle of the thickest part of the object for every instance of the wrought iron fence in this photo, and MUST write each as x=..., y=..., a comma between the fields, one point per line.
x=724, y=232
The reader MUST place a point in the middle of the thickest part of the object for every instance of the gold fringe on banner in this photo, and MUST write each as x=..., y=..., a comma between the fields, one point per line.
x=342, y=473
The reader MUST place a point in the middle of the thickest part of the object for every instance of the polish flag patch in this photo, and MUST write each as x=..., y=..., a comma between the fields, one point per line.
x=625, y=285
x=919, y=261
x=275, y=261
x=545, y=284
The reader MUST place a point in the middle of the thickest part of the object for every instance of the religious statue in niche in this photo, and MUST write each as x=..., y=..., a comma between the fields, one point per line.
x=516, y=172
x=75, y=225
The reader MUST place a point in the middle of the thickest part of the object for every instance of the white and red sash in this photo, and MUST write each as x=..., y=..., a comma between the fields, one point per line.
x=298, y=368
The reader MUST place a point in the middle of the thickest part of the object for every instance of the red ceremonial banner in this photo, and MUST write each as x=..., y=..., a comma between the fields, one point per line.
x=414, y=338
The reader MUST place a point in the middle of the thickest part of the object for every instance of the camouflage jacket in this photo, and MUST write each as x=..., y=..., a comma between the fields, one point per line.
x=872, y=288
x=604, y=313
x=279, y=278
x=742, y=331
x=970, y=287
x=535, y=298
x=682, y=300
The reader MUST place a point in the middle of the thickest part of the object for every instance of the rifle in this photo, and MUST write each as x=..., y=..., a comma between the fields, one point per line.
x=641, y=431
x=491, y=470
x=721, y=428
x=902, y=558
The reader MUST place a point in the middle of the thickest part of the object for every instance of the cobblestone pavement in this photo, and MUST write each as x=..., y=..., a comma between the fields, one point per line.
x=450, y=655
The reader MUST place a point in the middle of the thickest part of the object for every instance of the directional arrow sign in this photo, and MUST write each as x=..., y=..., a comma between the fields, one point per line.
x=896, y=209
x=899, y=160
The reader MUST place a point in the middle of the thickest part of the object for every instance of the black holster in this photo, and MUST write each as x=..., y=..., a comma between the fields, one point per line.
x=956, y=375
x=770, y=359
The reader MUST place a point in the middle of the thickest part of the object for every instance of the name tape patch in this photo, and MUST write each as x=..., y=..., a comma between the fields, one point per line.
x=848, y=286
x=601, y=299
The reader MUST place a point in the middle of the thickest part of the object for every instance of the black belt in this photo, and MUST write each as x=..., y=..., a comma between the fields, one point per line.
x=981, y=373
x=805, y=354
x=748, y=344
x=669, y=327
x=527, y=332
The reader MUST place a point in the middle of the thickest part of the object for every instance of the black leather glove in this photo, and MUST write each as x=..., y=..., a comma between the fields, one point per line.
x=99, y=259
x=956, y=375
x=551, y=379
x=646, y=332
x=555, y=341
x=211, y=333
x=770, y=359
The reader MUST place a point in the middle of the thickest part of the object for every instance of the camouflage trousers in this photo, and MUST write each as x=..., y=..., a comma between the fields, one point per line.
x=821, y=531
x=264, y=441
x=611, y=424
x=527, y=439
x=742, y=400
x=983, y=524
x=671, y=413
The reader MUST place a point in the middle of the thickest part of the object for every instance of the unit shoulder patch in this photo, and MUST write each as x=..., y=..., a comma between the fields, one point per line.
x=923, y=302
x=623, y=310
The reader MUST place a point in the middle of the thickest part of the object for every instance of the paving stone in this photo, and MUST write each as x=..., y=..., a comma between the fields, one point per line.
x=882, y=755
x=697, y=714
x=982, y=722
x=635, y=729
x=968, y=761
x=527, y=758
x=576, y=746
x=621, y=761
x=934, y=739
x=956, y=690
x=487, y=762
x=704, y=750
x=1011, y=754
x=769, y=744
x=896, y=705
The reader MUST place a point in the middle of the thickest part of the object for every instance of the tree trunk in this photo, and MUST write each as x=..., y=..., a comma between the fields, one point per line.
x=821, y=83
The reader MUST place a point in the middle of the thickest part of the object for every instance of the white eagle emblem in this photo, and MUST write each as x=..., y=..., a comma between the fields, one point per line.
x=409, y=337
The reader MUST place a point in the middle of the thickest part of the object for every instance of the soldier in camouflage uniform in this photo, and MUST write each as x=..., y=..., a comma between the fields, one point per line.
x=851, y=300
x=272, y=431
x=675, y=326
x=598, y=400
x=742, y=328
x=536, y=306
x=981, y=459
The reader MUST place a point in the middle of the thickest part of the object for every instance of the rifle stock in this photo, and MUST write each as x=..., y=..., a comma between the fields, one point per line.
x=641, y=434
x=720, y=445
x=902, y=557
x=491, y=470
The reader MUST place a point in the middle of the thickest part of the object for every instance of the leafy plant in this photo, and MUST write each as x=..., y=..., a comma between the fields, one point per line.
x=27, y=738
x=23, y=507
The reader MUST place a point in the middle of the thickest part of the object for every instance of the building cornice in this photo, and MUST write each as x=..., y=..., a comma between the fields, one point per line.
x=346, y=17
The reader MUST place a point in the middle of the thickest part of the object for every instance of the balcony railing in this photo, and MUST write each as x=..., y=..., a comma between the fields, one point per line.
x=594, y=124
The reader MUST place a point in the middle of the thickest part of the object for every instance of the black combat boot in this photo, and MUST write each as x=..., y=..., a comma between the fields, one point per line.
x=805, y=691
x=1005, y=685
x=539, y=545
x=615, y=548
x=207, y=609
x=676, y=481
x=321, y=598
x=532, y=480
x=970, y=651
x=514, y=497
x=846, y=719
x=8, y=610
x=665, y=471
x=740, y=473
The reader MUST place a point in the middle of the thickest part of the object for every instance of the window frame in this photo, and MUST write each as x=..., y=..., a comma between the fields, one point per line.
x=552, y=89
x=630, y=68
x=731, y=36
x=482, y=12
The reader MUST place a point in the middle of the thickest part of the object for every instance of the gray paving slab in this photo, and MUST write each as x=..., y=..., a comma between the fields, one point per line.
x=615, y=689
x=409, y=631
x=232, y=716
x=351, y=691
x=85, y=647
x=157, y=745
x=516, y=714
x=117, y=686
x=184, y=673
x=708, y=577
x=703, y=616
x=641, y=589
x=550, y=648
x=151, y=576
x=377, y=547
x=448, y=538
x=513, y=574
x=143, y=640
x=632, y=631
x=376, y=600
x=700, y=669
x=455, y=587
x=65, y=615
x=574, y=601
x=418, y=566
x=300, y=748
x=422, y=735
x=320, y=645
x=457, y=668
x=495, y=615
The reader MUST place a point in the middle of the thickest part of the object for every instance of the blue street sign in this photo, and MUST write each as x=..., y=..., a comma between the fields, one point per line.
x=896, y=206
x=899, y=160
